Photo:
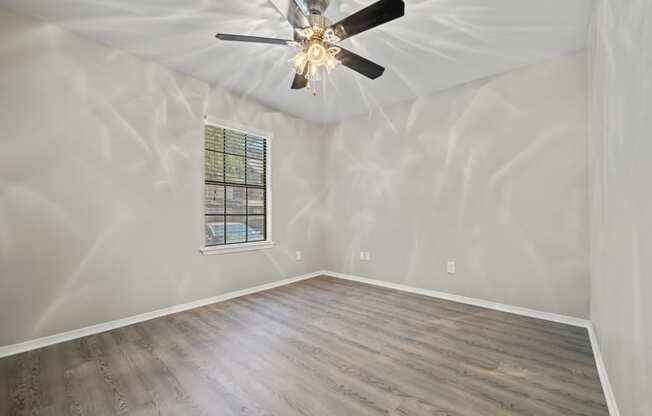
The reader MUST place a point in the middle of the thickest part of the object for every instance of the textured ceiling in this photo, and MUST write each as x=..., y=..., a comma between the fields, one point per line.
x=437, y=45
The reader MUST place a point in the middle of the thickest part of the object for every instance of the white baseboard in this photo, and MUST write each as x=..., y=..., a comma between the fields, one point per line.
x=107, y=326
x=517, y=310
x=602, y=371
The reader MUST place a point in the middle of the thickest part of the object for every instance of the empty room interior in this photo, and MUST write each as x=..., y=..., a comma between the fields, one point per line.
x=326, y=207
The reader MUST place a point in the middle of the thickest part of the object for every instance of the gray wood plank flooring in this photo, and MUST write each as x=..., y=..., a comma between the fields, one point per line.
x=323, y=346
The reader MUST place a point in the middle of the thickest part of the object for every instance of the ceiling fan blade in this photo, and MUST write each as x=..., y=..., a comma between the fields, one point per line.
x=299, y=82
x=378, y=13
x=359, y=64
x=254, y=39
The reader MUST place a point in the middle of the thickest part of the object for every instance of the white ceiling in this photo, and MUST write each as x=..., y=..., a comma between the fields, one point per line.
x=437, y=45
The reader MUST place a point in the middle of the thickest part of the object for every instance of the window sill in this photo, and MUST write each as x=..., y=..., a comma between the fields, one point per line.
x=236, y=248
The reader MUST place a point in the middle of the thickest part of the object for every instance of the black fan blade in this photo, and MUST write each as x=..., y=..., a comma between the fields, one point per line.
x=359, y=64
x=378, y=13
x=254, y=39
x=299, y=82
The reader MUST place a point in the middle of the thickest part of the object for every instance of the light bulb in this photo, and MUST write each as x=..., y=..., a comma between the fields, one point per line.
x=331, y=63
x=299, y=62
x=317, y=54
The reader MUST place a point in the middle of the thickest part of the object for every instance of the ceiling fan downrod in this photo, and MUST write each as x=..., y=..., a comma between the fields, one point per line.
x=315, y=6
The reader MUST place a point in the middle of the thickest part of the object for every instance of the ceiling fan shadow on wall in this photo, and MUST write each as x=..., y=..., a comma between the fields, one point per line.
x=316, y=37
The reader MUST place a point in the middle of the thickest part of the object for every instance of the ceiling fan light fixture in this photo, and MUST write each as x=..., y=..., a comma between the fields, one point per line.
x=331, y=63
x=330, y=36
x=299, y=62
x=315, y=36
x=314, y=73
x=318, y=54
x=311, y=61
x=306, y=33
x=334, y=50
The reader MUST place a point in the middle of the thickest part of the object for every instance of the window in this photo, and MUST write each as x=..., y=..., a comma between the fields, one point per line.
x=235, y=188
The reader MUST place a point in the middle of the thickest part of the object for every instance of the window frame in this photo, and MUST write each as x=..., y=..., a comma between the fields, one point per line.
x=248, y=246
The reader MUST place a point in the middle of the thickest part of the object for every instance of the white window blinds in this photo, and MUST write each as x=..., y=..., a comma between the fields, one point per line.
x=235, y=187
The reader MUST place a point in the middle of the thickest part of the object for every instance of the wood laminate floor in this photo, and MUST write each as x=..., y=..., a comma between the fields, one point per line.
x=318, y=347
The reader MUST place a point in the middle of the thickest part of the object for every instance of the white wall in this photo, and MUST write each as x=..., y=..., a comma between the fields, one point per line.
x=620, y=131
x=101, y=186
x=492, y=174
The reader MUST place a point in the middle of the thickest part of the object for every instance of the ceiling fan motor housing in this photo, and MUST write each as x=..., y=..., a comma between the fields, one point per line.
x=316, y=6
x=319, y=25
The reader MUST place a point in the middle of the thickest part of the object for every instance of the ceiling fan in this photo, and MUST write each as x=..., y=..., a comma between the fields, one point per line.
x=315, y=36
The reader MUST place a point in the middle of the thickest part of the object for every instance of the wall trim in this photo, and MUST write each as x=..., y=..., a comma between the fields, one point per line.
x=602, y=372
x=517, y=310
x=37, y=343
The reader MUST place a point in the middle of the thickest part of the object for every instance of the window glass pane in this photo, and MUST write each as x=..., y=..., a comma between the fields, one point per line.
x=236, y=200
x=214, y=166
x=256, y=229
x=256, y=147
x=235, y=143
x=235, y=169
x=214, y=230
x=236, y=229
x=255, y=172
x=256, y=201
x=214, y=139
x=234, y=213
x=214, y=199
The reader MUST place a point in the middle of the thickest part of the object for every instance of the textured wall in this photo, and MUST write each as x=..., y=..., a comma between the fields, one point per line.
x=620, y=132
x=101, y=193
x=101, y=188
x=492, y=174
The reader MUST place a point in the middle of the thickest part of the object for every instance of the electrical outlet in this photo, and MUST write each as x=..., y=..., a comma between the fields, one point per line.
x=297, y=256
x=362, y=255
x=450, y=267
x=367, y=256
